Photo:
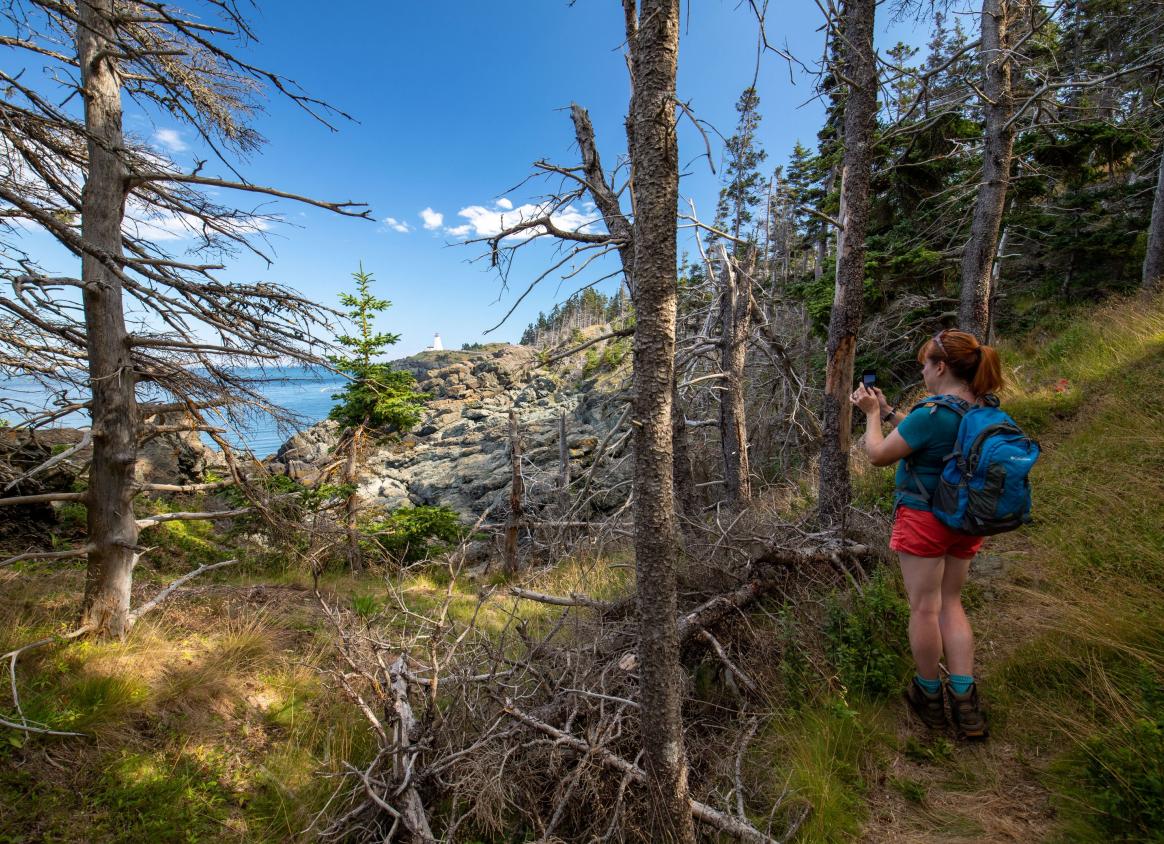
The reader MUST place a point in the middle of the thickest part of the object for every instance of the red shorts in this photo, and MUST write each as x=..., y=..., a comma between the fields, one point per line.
x=918, y=532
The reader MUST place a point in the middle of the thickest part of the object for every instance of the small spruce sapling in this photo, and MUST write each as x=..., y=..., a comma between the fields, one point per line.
x=377, y=396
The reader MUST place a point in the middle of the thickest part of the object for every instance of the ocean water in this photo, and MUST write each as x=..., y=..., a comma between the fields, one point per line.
x=304, y=391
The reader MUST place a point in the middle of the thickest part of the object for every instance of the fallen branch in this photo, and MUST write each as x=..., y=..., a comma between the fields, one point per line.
x=413, y=812
x=700, y=811
x=12, y=656
x=86, y=439
x=574, y=600
x=714, y=610
x=206, y=487
x=191, y=517
x=726, y=660
x=45, y=498
x=47, y=555
x=134, y=615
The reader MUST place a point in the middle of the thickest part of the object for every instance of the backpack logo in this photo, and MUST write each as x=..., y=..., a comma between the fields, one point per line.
x=985, y=486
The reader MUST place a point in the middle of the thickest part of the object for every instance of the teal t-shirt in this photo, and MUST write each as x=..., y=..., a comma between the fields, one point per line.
x=930, y=431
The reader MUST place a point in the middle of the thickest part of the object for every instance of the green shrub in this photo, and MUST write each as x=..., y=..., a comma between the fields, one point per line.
x=864, y=635
x=413, y=533
x=613, y=354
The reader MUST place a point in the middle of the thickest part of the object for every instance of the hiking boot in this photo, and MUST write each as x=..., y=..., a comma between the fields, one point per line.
x=968, y=718
x=930, y=708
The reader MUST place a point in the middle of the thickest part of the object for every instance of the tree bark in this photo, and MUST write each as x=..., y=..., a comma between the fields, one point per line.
x=1154, y=257
x=112, y=528
x=845, y=319
x=997, y=153
x=735, y=309
x=655, y=191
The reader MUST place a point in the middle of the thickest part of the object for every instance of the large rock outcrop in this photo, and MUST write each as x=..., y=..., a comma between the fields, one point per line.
x=458, y=456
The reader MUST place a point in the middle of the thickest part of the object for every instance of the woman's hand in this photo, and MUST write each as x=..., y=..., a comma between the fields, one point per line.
x=882, y=402
x=869, y=401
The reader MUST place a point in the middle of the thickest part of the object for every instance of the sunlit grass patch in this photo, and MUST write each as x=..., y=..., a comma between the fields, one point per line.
x=1052, y=376
x=1087, y=682
x=818, y=757
x=1089, y=665
x=155, y=796
x=606, y=576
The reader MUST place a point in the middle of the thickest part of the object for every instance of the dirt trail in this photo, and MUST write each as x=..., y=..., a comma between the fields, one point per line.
x=936, y=788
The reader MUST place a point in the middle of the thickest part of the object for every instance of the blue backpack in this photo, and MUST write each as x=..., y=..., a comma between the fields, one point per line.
x=984, y=487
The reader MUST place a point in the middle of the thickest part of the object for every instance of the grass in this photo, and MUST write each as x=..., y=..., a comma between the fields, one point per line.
x=209, y=723
x=820, y=758
x=212, y=721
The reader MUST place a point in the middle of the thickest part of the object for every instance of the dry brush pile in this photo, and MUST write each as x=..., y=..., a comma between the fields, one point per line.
x=531, y=724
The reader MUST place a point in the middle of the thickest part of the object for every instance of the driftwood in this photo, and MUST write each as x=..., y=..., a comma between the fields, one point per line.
x=404, y=758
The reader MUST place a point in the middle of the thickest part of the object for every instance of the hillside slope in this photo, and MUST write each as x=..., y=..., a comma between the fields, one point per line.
x=1071, y=637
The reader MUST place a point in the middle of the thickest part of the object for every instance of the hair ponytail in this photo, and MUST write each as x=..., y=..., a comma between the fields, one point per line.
x=988, y=378
x=970, y=361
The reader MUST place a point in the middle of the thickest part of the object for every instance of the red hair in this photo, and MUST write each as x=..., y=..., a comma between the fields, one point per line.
x=970, y=361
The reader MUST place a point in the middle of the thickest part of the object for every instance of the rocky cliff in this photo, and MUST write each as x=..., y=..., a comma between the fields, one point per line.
x=459, y=455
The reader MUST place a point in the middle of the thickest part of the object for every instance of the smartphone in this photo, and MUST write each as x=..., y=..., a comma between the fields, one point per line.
x=869, y=378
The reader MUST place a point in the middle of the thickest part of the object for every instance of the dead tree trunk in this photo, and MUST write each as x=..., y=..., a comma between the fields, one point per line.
x=621, y=229
x=995, y=287
x=112, y=528
x=654, y=42
x=997, y=152
x=735, y=311
x=1154, y=258
x=516, y=493
x=860, y=71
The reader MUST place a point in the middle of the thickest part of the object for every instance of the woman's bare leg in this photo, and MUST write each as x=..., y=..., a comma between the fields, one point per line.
x=957, y=637
x=923, y=584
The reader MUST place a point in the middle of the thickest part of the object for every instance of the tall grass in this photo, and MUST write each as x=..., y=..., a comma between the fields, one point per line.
x=1088, y=679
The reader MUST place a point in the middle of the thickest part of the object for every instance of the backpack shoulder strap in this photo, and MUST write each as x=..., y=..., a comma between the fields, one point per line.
x=959, y=406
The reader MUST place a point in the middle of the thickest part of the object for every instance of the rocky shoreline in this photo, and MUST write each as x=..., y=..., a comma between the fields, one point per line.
x=459, y=454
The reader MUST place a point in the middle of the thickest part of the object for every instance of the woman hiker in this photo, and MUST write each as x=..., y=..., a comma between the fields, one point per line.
x=935, y=559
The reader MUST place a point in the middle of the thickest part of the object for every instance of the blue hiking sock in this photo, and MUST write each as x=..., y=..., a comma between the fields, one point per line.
x=930, y=686
x=960, y=683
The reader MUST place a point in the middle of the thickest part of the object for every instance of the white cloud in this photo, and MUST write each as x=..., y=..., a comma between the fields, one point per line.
x=397, y=225
x=486, y=222
x=171, y=139
x=432, y=219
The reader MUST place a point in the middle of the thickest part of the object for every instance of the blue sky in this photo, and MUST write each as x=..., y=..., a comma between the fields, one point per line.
x=454, y=101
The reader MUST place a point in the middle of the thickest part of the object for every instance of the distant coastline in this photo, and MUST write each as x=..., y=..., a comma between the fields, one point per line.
x=304, y=391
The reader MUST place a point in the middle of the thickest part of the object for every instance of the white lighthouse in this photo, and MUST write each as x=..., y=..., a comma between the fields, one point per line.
x=436, y=343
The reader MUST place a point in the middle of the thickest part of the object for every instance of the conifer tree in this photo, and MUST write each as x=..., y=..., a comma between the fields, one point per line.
x=377, y=395
x=742, y=192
